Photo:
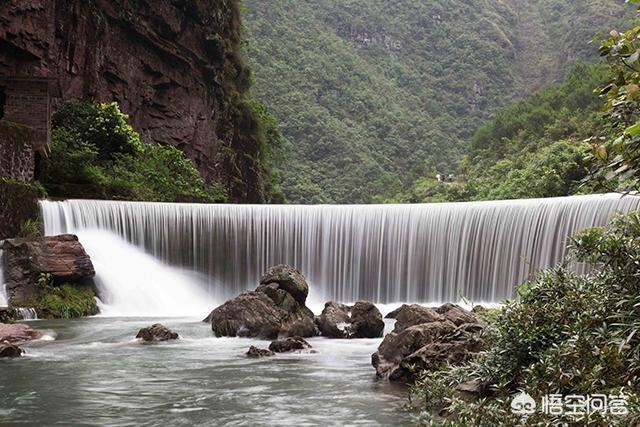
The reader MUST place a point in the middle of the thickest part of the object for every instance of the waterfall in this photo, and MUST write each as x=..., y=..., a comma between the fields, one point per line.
x=26, y=313
x=383, y=253
x=4, y=300
x=132, y=283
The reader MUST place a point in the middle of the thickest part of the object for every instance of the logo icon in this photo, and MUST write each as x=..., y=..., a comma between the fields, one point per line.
x=523, y=404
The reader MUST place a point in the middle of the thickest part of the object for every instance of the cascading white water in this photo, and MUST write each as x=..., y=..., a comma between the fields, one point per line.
x=4, y=301
x=27, y=313
x=382, y=253
x=132, y=283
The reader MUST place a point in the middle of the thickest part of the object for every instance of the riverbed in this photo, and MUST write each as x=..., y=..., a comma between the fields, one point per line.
x=93, y=372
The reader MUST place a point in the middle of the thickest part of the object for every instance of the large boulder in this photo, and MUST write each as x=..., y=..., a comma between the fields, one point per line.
x=63, y=257
x=426, y=339
x=288, y=279
x=252, y=314
x=16, y=333
x=362, y=320
x=275, y=309
x=156, y=332
x=457, y=314
x=414, y=314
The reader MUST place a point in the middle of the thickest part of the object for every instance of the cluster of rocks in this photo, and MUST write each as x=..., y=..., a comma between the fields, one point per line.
x=276, y=309
x=12, y=335
x=425, y=339
x=282, y=345
x=362, y=320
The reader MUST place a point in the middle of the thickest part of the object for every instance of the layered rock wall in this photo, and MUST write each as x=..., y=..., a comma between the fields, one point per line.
x=172, y=65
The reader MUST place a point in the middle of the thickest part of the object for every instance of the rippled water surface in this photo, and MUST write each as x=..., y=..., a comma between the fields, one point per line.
x=95, y=373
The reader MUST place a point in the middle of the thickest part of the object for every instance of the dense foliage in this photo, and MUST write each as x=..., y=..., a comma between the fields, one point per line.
x=61, y=301
x=617, y=148
x=96, y=154
x=373, y=94
x=565, y=334
x=533, y=148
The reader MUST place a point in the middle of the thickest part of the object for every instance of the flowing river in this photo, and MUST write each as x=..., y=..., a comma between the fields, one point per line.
x=94, y=373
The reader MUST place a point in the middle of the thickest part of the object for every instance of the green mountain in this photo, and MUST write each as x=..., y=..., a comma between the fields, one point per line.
x=371, y=95
x=533, y=148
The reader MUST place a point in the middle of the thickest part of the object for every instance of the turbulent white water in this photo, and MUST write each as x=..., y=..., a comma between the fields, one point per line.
x=3, y=290
x=132, y=283
x=383, y=253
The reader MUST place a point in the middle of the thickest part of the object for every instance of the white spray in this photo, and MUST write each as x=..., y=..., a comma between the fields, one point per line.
x=132, y=283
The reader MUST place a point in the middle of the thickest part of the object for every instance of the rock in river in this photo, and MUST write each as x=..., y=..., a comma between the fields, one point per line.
x=362, y=320
x=26, y=259
x=275, y=309
x=285, y=345
x=256, y=353
x=426, y=339
x=16, y=333
x=10, y=350
x=156, y=332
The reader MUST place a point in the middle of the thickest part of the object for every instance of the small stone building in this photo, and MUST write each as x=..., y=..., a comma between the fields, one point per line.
x=25, y=123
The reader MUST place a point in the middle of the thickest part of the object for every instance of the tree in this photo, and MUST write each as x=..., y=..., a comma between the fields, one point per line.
x=617, y=149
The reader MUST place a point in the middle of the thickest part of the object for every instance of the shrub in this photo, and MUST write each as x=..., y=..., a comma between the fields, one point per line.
x=61, y=301
x=97, y=154
x=67, y=301
x=30, y=228
x=102, y=126
x=565, y=334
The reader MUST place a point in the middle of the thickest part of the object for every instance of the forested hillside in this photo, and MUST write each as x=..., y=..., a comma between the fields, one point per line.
x=533, y=148
x=371, y=95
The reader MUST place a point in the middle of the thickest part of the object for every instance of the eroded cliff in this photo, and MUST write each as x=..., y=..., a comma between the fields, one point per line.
x=172, y=65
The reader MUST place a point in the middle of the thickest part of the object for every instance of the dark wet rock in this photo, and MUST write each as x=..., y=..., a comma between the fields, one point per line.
x=269, y=312
x=252, y=314
x=10, y=350
x=256, y=353
x=63, y=257
x=156, y=332
x=285, y=345
x=394, y=313
x=7, y=315
x=366, y=321
x=457, y=314
x=414, y=314
x=334, y=320
x=362, y=320
x=16, y=333
x=471, y=389
x=426, y=339
x=288, y=279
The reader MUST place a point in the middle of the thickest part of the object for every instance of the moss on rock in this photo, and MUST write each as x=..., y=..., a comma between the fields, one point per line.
x=66, y=301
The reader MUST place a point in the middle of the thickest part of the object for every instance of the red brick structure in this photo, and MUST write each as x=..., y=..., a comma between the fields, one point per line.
x=25, y=124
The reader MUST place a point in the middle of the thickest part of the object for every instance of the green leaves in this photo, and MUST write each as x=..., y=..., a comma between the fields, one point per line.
x=566, y=334
x=97, y=154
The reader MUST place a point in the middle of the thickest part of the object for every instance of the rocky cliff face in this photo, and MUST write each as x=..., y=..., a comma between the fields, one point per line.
x=172, y=65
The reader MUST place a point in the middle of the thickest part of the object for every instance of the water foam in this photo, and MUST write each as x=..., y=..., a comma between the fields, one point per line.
x=132, y=283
